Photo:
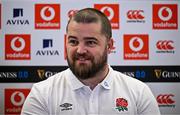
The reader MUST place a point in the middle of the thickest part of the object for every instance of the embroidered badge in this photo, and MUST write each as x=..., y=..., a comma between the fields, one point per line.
x=121, y=104
x=66, y=106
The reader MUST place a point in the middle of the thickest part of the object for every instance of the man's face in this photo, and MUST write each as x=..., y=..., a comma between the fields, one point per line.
x=86, y=49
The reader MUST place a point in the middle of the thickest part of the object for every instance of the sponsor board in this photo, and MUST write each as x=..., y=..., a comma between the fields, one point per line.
x=112, y=13
x=14, y=99
x=39, y=73
x=165, y=16
x=47, y=16
x=136, y=47
x=47, y=48
x=18, y=18
x=27, y=74
x=166, y=100
x=165, y=46
x=135, y=16
x=17, y=47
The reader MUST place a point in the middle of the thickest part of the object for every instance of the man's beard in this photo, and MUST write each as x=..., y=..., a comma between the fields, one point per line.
x=85, y=71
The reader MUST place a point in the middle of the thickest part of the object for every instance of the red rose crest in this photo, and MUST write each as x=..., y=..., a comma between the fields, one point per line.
x=121, y=104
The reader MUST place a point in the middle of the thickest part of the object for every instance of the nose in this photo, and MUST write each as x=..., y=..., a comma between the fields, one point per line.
x=81, y=49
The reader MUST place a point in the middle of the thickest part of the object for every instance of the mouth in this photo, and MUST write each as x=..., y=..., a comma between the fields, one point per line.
x=82, y=60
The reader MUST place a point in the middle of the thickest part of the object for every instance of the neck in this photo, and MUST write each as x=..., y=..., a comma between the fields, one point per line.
x=98, y=78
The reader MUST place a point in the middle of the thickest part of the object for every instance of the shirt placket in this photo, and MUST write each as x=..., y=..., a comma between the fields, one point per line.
x=93, y=102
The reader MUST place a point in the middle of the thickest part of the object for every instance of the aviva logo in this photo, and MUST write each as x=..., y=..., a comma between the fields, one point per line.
x=47, y=49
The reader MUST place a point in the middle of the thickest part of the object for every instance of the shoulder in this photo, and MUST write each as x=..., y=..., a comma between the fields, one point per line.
x=138, y=92
x=51, y=82
x=134, y=88
x=128, y=82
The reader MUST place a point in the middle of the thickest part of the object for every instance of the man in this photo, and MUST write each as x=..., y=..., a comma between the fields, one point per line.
x=90, y=85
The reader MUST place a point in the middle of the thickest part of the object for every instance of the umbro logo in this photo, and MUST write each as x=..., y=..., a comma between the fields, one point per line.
x=66, y=106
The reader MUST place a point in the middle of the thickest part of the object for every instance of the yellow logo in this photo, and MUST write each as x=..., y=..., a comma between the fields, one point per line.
x=157, y=73
x=41, y=73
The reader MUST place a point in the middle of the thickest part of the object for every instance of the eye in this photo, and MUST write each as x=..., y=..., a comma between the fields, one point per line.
x=91, y=43
x=73, y=42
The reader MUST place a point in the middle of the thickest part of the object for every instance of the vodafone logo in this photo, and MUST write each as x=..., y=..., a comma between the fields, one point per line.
x=47, y=13
x=21, y=41
x=165, y=16
x=14, y=99
x=136, y=44
x=109, y=11
x=47, y=16
x=112, y=13
x=136, y=47
x=17, y=47
x=16, y=95
x=165, y=13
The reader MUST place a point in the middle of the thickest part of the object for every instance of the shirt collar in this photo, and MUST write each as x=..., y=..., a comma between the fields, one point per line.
x=107, y=82
x=76, y=84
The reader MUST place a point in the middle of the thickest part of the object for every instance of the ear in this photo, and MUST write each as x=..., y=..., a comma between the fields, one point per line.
x=110, y=45
x=65, y=47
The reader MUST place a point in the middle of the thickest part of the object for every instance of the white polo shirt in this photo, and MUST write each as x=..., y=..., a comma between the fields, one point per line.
x=64, y=94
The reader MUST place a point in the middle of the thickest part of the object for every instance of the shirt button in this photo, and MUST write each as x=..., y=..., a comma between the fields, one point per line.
x=106, y=84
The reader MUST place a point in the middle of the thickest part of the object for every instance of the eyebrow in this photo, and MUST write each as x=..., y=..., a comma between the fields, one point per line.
x=90, y=38
x=86, y=38
x=72, y=37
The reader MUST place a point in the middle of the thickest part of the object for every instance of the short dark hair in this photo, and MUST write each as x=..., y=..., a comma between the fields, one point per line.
x=91, y=15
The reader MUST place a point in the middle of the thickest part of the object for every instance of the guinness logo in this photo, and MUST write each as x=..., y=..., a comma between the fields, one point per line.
x=157, y=73
x=41, y=73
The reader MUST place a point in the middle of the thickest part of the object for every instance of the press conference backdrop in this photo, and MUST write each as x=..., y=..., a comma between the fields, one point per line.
x=146, y=45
